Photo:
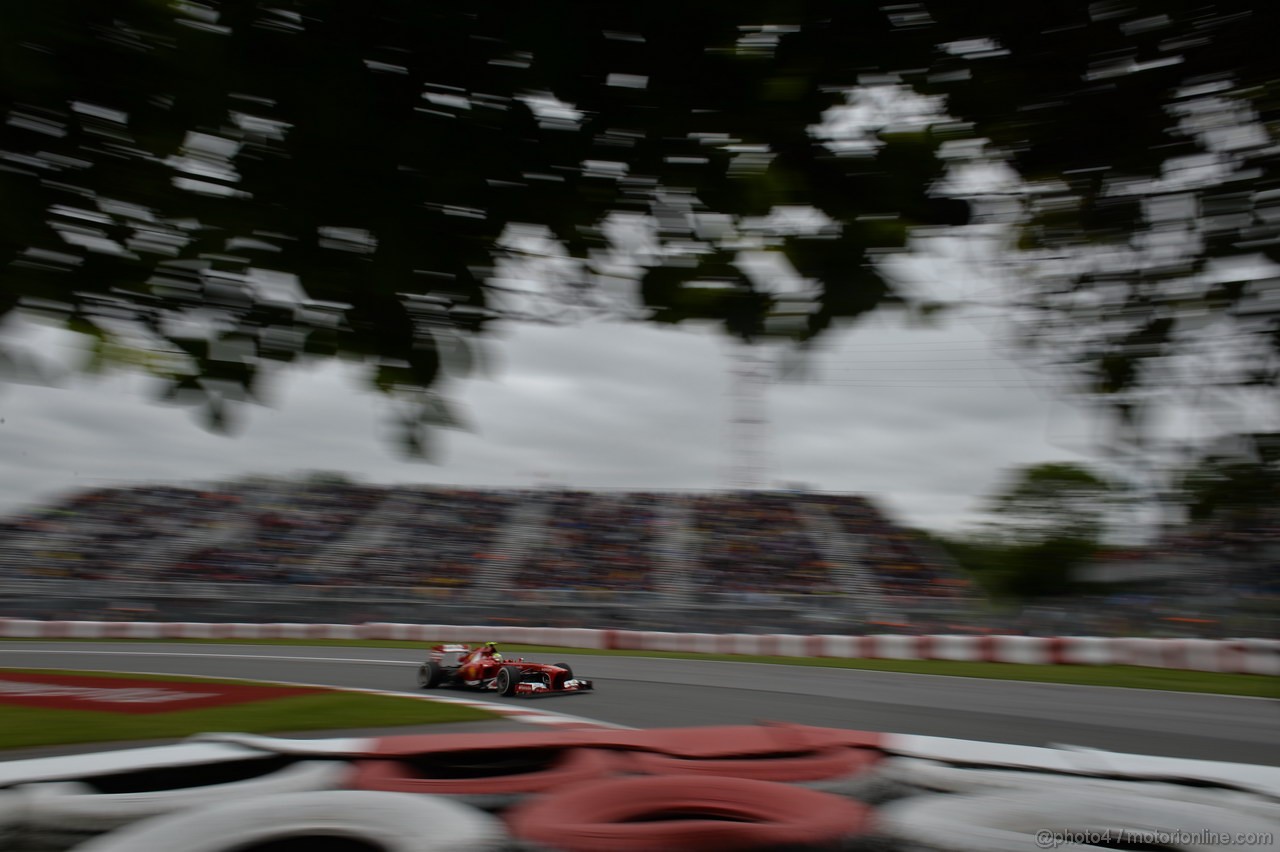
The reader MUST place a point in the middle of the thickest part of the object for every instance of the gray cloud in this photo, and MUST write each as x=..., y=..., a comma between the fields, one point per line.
x=926, y=420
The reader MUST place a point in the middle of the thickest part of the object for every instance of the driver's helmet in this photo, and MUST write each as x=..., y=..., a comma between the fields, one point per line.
x=497, y=658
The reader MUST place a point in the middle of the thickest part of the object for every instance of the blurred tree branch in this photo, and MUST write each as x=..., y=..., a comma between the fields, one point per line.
x=239, y=186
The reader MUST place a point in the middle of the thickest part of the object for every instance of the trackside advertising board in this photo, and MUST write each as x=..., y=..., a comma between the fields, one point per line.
x=131, y=695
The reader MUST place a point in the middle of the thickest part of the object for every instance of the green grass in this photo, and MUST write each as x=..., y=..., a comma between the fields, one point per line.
x=24, y=727
x=1132, y=677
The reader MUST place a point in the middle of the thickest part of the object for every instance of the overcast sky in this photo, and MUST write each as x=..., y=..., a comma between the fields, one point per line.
x=926, y=420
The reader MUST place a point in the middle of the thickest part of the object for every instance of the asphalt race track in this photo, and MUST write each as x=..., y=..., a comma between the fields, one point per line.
x=654, y=693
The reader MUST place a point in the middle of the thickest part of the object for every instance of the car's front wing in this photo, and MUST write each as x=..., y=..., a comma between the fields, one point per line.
x=571, y=685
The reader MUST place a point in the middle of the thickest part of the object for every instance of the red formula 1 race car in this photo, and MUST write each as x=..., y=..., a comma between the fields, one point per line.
x=484, y=669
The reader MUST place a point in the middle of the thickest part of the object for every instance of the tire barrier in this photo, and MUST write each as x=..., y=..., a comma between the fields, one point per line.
x=816, y=736
x=335, y=747
x=185, y=755
x=720, y=741
x=1013, y=821
x=408, y=745
x=818, y=758
x=964, y=788
x=491, y=778
x=341, y=819
x=1247, y=777
x=60, y=812
x=1244, y=656
x=724, y=741
x=936, y=777
x=826, y=764
x=1253, y=778
x=687, y=814
x=705, y=742
x=11, y=813
x=730, y=741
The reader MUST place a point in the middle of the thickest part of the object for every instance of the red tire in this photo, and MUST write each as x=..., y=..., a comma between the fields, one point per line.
x=687, y=814
x=488, y=778
x=817, y=765
x=414, y=746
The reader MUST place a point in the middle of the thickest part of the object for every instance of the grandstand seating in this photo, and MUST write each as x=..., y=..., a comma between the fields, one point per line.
x=904, y=564
x=282, y=537
x=753, y=542
x=118, y=533
x=741, y=560
x=332, y=534
x=593, y=542
x=432, y=538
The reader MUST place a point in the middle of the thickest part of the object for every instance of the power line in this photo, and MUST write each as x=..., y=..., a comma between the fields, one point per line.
x=993, y=386
x=976, y=383
x=1000, y=346
x=927, y=365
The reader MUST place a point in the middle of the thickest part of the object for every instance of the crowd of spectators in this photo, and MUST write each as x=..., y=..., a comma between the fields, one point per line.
x=111, y=533
x=1240, y=556
x=753, y=543
x=1201, y=579
x=285, y=535
x=903, y=564
x=749, y=547
x=337, y=534
x=594, y=542
x=434, y=539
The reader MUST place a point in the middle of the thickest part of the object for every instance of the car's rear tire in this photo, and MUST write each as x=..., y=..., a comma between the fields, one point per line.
x=507, y=679
x=430, y=675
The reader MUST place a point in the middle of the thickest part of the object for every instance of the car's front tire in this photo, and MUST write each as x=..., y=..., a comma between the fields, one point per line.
x=558, y=681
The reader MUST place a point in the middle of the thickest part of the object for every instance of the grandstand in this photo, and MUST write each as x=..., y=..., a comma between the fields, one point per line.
x=320, y=551
x=325, y=551
x=593, y=543
x=1198, y=579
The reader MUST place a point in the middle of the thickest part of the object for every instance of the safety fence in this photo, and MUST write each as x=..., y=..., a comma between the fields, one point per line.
x=1244, y=656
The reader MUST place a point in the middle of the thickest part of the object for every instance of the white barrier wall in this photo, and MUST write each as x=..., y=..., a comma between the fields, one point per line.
x=955, y=648
x=1248, y=656
x=1095, y=651
x=1028, y=650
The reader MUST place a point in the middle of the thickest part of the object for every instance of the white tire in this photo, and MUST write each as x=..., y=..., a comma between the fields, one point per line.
x=1019, y=821
x=70, y=810
x=12, y=806
x=330, y=747
x=944, y=778
x=71, y=766
x=388, y=822
x=863, y=786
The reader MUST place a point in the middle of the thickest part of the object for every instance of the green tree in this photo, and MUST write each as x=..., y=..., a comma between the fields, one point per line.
x=1234, y=487
x=982, y=558
x=237, y=186
x=1046, y=520
x=1008, y=568
x=1055, y=500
